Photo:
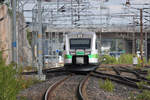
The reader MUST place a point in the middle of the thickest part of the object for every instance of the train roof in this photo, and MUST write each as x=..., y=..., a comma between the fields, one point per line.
x=82, y=33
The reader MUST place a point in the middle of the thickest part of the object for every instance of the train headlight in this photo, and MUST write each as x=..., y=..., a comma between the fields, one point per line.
x=72, y=52
x=87, y=52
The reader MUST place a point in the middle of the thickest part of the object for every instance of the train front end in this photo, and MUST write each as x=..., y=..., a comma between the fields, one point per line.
x=81, y=51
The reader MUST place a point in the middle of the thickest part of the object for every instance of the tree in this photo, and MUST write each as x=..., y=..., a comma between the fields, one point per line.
x=9, y=85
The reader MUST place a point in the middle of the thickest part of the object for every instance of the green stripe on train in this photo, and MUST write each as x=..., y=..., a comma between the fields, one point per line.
x=68, y=56
x=94, y=56
x=80, y=53
x=90, y=56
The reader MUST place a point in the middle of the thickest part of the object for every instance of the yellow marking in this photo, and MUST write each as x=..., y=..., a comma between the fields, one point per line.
x=40, y=51
x=39, y=36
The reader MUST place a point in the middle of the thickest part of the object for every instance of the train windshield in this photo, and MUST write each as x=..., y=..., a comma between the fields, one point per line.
x=82, y=43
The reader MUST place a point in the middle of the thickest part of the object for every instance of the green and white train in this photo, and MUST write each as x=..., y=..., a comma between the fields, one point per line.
x=81, y=49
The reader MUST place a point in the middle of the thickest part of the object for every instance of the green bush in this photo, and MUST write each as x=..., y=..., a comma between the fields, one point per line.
x=138, y=66
x=140, y=84
x=125, y=59
x=9, y=85
x=11, y=81
x=148, y=62
x=144, y=95
x=107, y=59
x=148, y=75
x=106, y=85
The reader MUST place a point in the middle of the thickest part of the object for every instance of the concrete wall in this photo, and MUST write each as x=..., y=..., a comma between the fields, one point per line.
x=24, y=51
x=5, y=34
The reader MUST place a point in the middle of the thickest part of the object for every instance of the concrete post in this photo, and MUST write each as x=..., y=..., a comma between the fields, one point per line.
x=40, y=44
x=14, y=43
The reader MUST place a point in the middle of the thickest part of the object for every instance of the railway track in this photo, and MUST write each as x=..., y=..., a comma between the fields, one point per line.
x=51, y=89
x=81, y=90
x=129, y=81
x=81, y=84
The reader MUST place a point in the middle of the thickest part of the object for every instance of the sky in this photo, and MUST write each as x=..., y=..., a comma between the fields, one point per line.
x=115, y=6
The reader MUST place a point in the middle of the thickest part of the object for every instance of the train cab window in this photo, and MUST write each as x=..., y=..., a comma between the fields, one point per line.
x=80, y=43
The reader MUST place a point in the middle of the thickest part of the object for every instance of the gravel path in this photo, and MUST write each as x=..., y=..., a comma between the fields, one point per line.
x=120, y=92
x=37, y=91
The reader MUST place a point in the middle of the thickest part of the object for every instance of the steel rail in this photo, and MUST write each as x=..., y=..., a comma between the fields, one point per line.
x=115, y=76
x=81, y=88
x=136, y=73
x=53, y=87
x=116, y=70
x=128, y=70
x=114, y=79
x=120, y=79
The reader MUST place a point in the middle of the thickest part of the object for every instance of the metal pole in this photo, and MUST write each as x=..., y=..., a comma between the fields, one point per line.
x=146, y=46
x=40, y=47
x=116, y=48
x=14, y=44
x=133, y=43
x=71, y=15
x=141, y=36
x=134, y=40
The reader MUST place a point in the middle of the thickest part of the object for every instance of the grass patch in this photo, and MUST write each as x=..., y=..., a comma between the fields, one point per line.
x=125, y=59
x=140, y=84
x=107, y=85
x=148, y=62
x=9, y=84
x=11, y=81
x=148, y=75
x=107, y=59
x=145, y=95
x=132, y=96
